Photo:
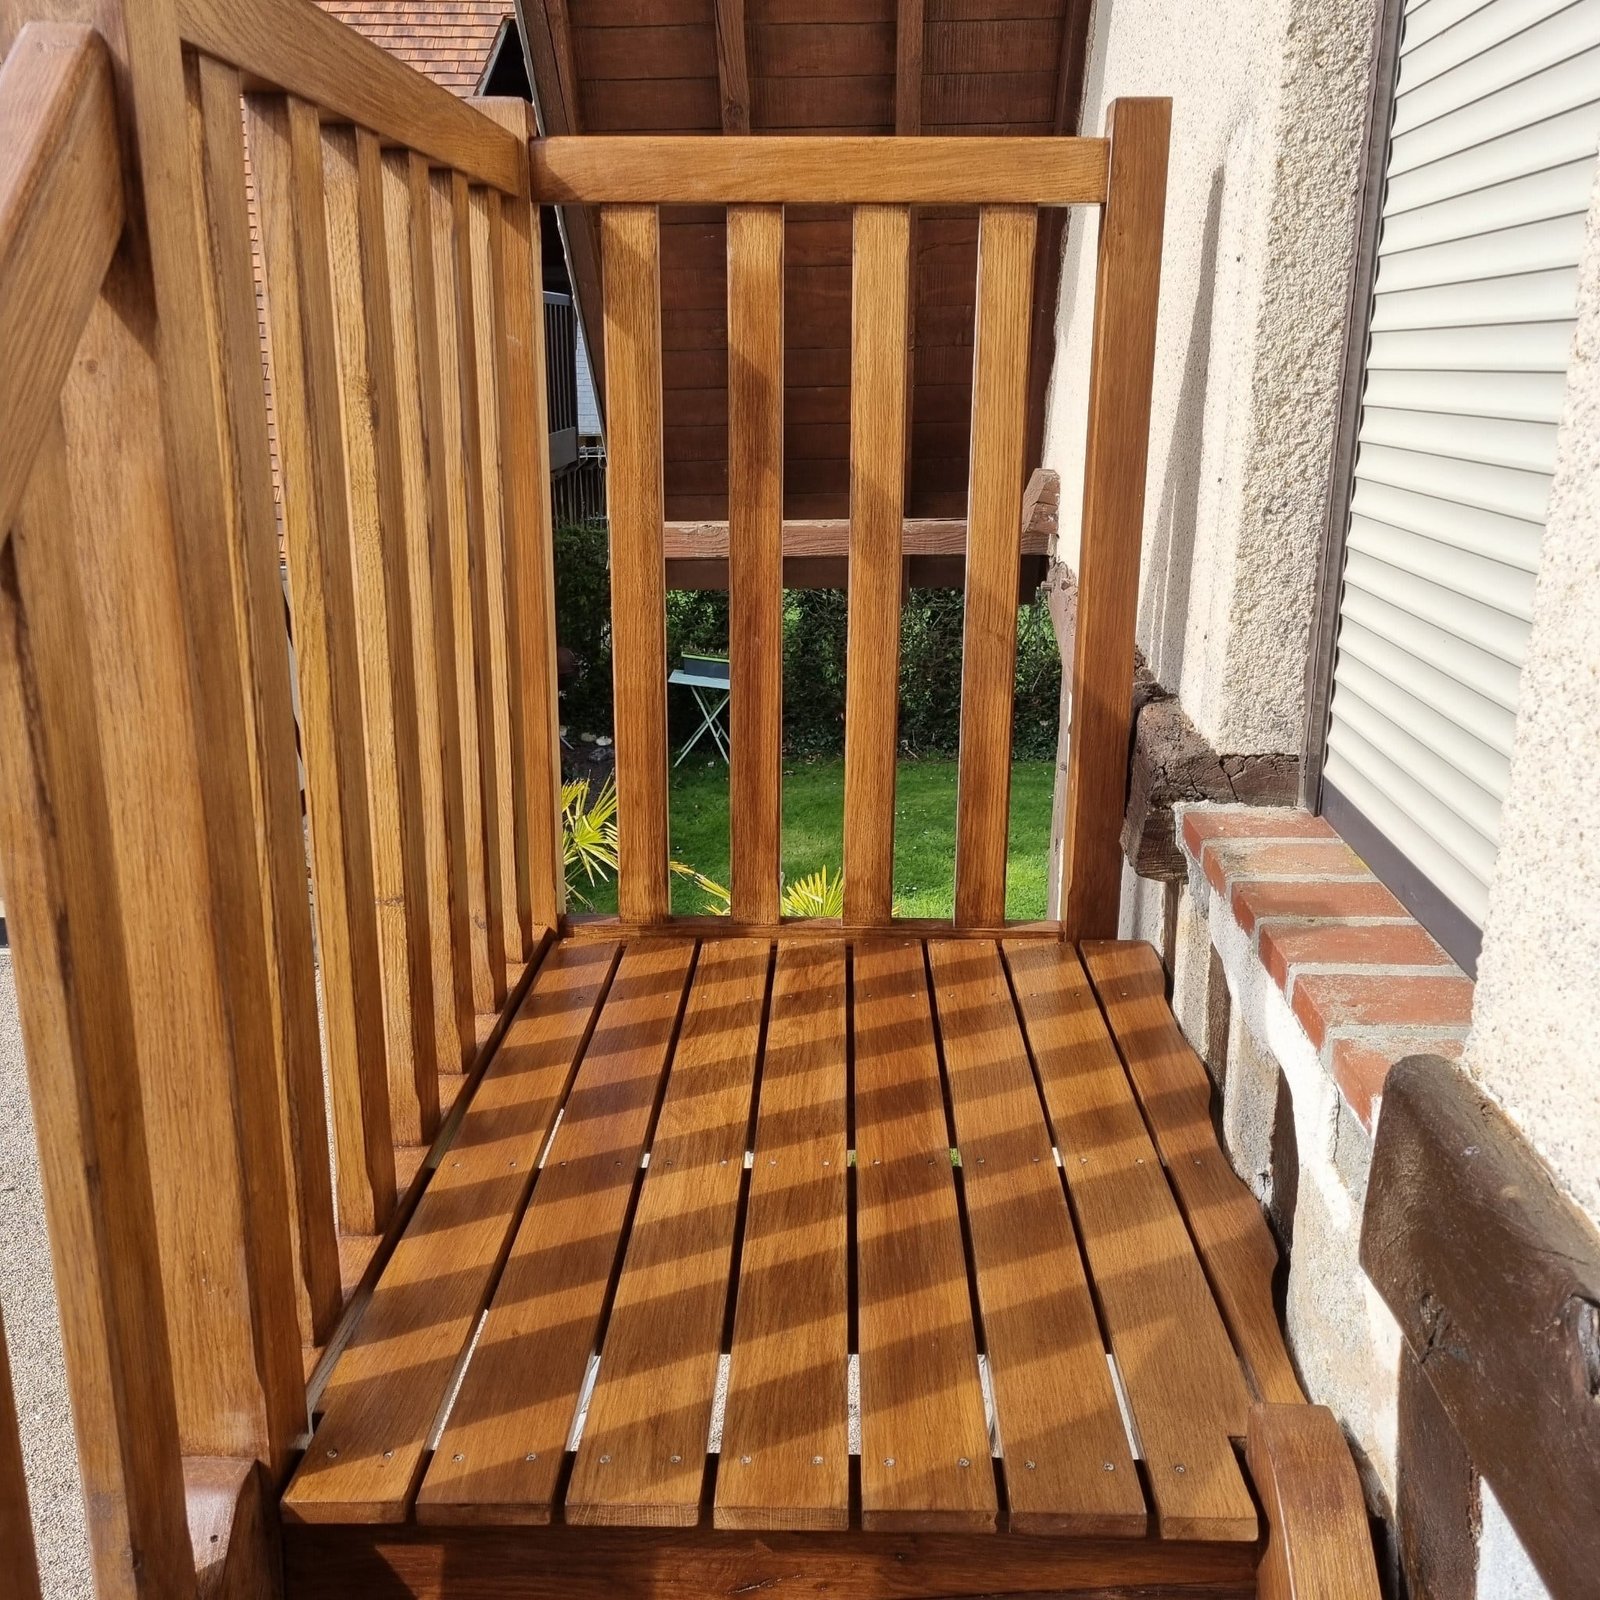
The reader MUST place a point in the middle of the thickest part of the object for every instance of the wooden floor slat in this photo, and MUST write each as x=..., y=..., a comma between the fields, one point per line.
x=1183, y=1380
x=1174, y=1089
x=1068, y=1465
x=502, y=1448
x=925, y=1461
x=387, y=1387
x=785, y=1437
x=642, y=1461
x=628, y=1291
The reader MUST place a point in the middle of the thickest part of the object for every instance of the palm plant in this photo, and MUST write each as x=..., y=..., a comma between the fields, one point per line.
x=588, y=835
x=817, y=894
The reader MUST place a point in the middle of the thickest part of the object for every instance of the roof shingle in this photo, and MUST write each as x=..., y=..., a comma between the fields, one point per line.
x=449, y=40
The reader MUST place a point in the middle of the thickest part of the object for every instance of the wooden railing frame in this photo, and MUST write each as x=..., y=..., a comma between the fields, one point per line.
x=153, y=846
x=1124, y=173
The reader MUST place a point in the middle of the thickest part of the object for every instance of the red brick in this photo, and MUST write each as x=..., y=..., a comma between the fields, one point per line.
x=1323, y=1001
x=1225, y=859
x=1360, y=1065
x=1287, y=945
x=1255, y=900
x=1259, y=822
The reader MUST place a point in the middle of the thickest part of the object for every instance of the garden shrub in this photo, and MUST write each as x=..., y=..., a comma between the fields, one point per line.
x=814, y=653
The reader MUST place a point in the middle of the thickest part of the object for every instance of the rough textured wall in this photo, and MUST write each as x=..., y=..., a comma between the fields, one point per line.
x=1534, y=1045
x=1269, y=115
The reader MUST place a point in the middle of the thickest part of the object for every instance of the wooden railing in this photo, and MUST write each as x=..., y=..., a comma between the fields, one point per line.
x=221, y=990
x=247, y=1016
x=1124, y=175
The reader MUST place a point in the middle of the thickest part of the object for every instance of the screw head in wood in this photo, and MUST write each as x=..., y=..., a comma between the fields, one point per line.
x=333, y=1455
x=744, y=1461
x=1179, y=1468
x=816, y=1461
x=888, y=1461
x=532, y=1455
x=1110, y=1466
x=675, y=1458
x=962, y=1461
x=1030, y=1465
x=605, y=1461
x=388, y=1455
x=458, y=1456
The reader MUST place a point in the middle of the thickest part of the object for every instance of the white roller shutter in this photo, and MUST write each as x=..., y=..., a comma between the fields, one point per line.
x=1491, y=162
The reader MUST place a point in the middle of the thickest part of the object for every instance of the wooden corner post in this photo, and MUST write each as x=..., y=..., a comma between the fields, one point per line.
x=1122, y=367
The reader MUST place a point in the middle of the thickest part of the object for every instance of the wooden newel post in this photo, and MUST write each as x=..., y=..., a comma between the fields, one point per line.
x=1123, y=363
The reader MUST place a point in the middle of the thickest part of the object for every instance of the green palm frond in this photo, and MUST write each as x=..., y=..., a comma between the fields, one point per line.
x=588, y=835
x=720, y=898
x=815, y=895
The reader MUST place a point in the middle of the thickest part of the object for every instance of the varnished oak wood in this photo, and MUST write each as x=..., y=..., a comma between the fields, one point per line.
x=230, y=308
x=925, y=1461
x=492, y=591
x=755, y=556
x=536, y=744
x=500, y=1454
x=286, y=157
x=600, y=926
x=1122, y=368
x=560, y=1563
x=16, y=1522
x=989, y=630
x=830, y=536
x=785, y=1459
x=1069, y=1469
x=60, y=219
x=1182, y=1378
x=75, y=999
x=407, y=214
x=364, y=323
x=298, y=48
x=879, y=420
x=459, y=462
x=1318, y=1546
x=642, y=1459
x=631, y=241
x=368, y=1451
x=779, y=169
x=1175, y=1091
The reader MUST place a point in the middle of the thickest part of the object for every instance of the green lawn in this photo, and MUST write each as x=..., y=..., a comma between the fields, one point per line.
x=813, y=807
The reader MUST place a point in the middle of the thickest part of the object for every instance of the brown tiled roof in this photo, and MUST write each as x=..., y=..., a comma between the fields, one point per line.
x=450, y=40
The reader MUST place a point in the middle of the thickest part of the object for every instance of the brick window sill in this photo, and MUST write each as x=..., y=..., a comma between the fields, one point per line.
x=1294, y=913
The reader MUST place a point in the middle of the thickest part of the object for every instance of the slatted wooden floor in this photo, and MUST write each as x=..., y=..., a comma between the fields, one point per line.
x=882, y=1236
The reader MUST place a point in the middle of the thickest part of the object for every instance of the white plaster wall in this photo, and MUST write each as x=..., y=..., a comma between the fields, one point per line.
x=1535, y=1045
x=1269, y=109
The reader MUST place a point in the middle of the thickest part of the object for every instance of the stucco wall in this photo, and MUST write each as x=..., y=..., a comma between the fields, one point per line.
x=1269, y=109
x=1534, y=1044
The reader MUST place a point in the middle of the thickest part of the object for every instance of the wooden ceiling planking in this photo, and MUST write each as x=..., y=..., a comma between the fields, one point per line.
x=815, y=66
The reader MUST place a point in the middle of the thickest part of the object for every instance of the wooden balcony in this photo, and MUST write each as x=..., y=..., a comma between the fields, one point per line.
x=646, y=1256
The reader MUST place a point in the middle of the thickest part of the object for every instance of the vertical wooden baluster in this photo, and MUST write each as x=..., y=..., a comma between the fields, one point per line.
x=1128, y=282
x=258, y=593
x=1006, y=237
x=74, y=993
x=755, y=556
x=488, y=334
x=286, y=157
x=16, y=1523
x=147, y=439
x=357, y=253
x=879, y=420
x=483, y=501
x=459, y=452
x=406, y=297
x=530, y=578
x=630, y=238
x=431, y=594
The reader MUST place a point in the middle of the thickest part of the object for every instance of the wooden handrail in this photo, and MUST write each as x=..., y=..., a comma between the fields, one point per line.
x=60, y=219
x=802, y=170
x=296, y=47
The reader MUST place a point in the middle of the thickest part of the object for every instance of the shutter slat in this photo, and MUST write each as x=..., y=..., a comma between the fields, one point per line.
x=1540, y=247
x=1524, y=495
x=1490, y=723
x=1511, y=347
x=1512, y=396
x=1484, y=626
x=1526, y=446
x=1487, y=302
x=1429, y=18
x=1490, y=583
x=1485, y=533
x=1472, y=36
x=1533, y=50
x=1559, y=191
x=1504, y=127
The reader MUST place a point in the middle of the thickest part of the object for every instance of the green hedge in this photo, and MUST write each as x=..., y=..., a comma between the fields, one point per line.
x=813, y=658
